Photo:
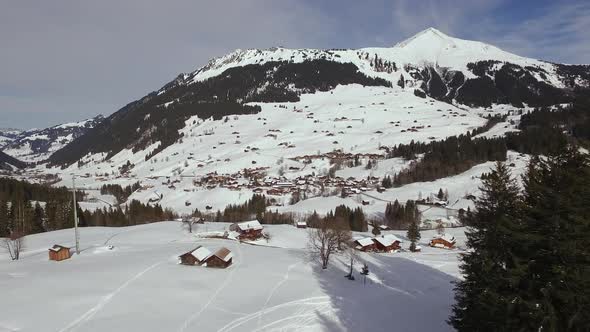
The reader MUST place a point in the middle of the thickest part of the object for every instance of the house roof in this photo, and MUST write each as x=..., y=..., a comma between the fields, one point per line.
x=367, y=241
x=224, y=254
x=57, y=247
x=387, y=240
x=254, y=224
x=201, y=253
x=302, y=223
x=447, y=237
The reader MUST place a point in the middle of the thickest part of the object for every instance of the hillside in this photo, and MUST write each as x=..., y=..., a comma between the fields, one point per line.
x=266, y=288
x=320, y=124
x=37, y=145
x=458, y=72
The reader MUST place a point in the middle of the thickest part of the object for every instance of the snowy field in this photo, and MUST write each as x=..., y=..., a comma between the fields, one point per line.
x=139, y=286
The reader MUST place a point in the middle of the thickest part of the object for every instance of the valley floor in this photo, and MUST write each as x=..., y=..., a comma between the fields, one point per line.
x=139, y=285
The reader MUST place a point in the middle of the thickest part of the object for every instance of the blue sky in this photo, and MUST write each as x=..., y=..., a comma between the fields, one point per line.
x=68, y=60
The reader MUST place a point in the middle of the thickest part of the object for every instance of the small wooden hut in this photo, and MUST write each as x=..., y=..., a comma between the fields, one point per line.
x=59, y=253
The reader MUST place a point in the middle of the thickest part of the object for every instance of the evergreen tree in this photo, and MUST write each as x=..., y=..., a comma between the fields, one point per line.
x=483, y=298
x=3, y=218
x=413, y=234
x=554, y=275
x=37, y=220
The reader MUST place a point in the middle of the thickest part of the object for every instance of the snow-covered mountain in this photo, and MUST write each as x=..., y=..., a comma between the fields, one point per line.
x=38, y=144
x=7, y=135
x=284, y=113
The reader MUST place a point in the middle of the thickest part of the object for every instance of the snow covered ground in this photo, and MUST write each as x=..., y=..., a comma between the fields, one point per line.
x=139, y=286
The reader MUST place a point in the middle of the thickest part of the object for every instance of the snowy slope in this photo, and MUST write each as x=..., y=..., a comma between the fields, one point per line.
x=138, y=285
x=38, y=144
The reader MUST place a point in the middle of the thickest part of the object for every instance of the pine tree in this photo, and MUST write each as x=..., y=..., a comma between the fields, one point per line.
x=483, y=298
x=3, y=218
x=554, y=275
x=413, y=234
x=37, y=220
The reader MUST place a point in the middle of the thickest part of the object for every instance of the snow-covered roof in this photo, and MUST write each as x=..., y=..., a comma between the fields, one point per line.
x=302, y=223
x=201, y=253
x=57, y=247
x=254, y=224
x=447, y=237
x=224, y=254
x=367, y=241
x=387, y=240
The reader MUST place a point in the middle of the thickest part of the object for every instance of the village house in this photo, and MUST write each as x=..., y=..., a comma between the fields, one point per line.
x=222, y=258
x=249, y=230
x=196, y=256
x=365, y=244
x=387, y=243
x=59, y=253
x=301, y=224
x=445, y=241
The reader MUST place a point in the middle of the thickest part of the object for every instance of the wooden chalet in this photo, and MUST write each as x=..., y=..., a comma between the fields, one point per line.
x=445, y=241
x=249, y=230
x=196, y=256
x=222, y=258
x=365, y=244
x=301, y=224
x=59, y=253
x=387, y=243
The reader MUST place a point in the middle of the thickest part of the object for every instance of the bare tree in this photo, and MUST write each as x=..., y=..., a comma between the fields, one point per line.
x=326, y=239
x=14, y=243
x=188, y=223
x=440, y=228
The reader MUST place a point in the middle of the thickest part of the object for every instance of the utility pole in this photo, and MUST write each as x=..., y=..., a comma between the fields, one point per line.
x=75, y=215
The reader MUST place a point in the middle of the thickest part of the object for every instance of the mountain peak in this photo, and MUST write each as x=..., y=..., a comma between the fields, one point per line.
x=427, y=35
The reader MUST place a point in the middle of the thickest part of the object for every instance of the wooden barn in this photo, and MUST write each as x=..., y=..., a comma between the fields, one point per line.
x=249, y=230
x=196, y=256
x=387, y=243
x=445, y=241
x=365, y=244
x=222, y=258
x=59, y=253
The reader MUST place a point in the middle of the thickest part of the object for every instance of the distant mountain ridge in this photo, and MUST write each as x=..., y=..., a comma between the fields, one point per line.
x=36, y=145
x=431, y=63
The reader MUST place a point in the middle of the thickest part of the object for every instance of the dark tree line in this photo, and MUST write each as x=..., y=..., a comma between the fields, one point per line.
x=401, y=216
x=136, y=213
x=441, y=159
x=254, y=208
x=28, y=208
x=343, y=217
x=528, y=267
x=120, y=193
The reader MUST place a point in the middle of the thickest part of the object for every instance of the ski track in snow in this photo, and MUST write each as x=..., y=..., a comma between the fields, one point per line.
x=226, y=282
x=310, y=301
x=275, y=288
x=105, y=300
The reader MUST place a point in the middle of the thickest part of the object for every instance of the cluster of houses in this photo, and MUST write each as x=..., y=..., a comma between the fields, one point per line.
x=381, y=243
x=391, y=243
x=202, y=256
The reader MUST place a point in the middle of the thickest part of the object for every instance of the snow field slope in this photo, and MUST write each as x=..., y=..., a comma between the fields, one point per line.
x=138, y=285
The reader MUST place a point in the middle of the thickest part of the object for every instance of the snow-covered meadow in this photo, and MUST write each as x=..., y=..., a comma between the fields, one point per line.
x=139, y=285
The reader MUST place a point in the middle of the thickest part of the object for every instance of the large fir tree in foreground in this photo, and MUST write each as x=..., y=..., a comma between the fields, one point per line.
x=554, y=282
x=528, y=268
x=482, y=297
